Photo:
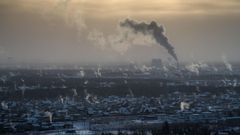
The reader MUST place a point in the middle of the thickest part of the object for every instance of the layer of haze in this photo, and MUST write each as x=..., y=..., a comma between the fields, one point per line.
x=61, y=30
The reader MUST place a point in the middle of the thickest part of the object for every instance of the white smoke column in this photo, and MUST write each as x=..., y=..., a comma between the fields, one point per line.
x=23, y=88
x=98, y=72
x=165, y=68
x=184, y=106
x=61, y=99
x=4, y=105
x=193, y=68
x=23, y=92
x=75, y=92
x=121, y=41
x=95, y=99
x=87, y=96
x=215, y=69
x=49, y=115
x=126, y=38
x=68, y=11
x=131, y=92
x=226, y=63
x=90, y=98
x=82, y=73
x=235, y=83
x=78, y=21
x=98, y=39
x=203, y=65
x=86, y=82
x=144, y=68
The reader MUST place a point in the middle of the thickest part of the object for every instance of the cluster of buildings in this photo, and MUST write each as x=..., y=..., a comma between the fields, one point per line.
x=115, y=112
x=120, y=98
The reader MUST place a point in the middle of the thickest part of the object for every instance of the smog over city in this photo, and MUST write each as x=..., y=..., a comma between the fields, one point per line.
x=129, y=67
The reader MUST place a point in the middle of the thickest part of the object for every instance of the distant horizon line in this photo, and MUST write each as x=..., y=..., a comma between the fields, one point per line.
x=86, y=64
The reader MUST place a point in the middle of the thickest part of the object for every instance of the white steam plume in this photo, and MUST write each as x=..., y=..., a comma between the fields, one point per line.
x=49, y=115
x=226, y=63
x=120, y=42
x=184, y=106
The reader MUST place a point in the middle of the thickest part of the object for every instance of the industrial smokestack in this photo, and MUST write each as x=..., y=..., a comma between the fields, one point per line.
x=153, y=29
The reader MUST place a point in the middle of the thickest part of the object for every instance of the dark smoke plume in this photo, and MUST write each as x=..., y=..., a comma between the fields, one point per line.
x=153, y=29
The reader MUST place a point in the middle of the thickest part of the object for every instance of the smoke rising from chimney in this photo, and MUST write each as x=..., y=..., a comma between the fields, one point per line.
x=226, y=63
x=153, y=29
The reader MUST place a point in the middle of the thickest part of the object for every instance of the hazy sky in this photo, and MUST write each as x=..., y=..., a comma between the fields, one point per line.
x=87, y=30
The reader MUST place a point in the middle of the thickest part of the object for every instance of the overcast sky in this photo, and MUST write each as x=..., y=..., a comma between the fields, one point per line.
x=87, y=30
